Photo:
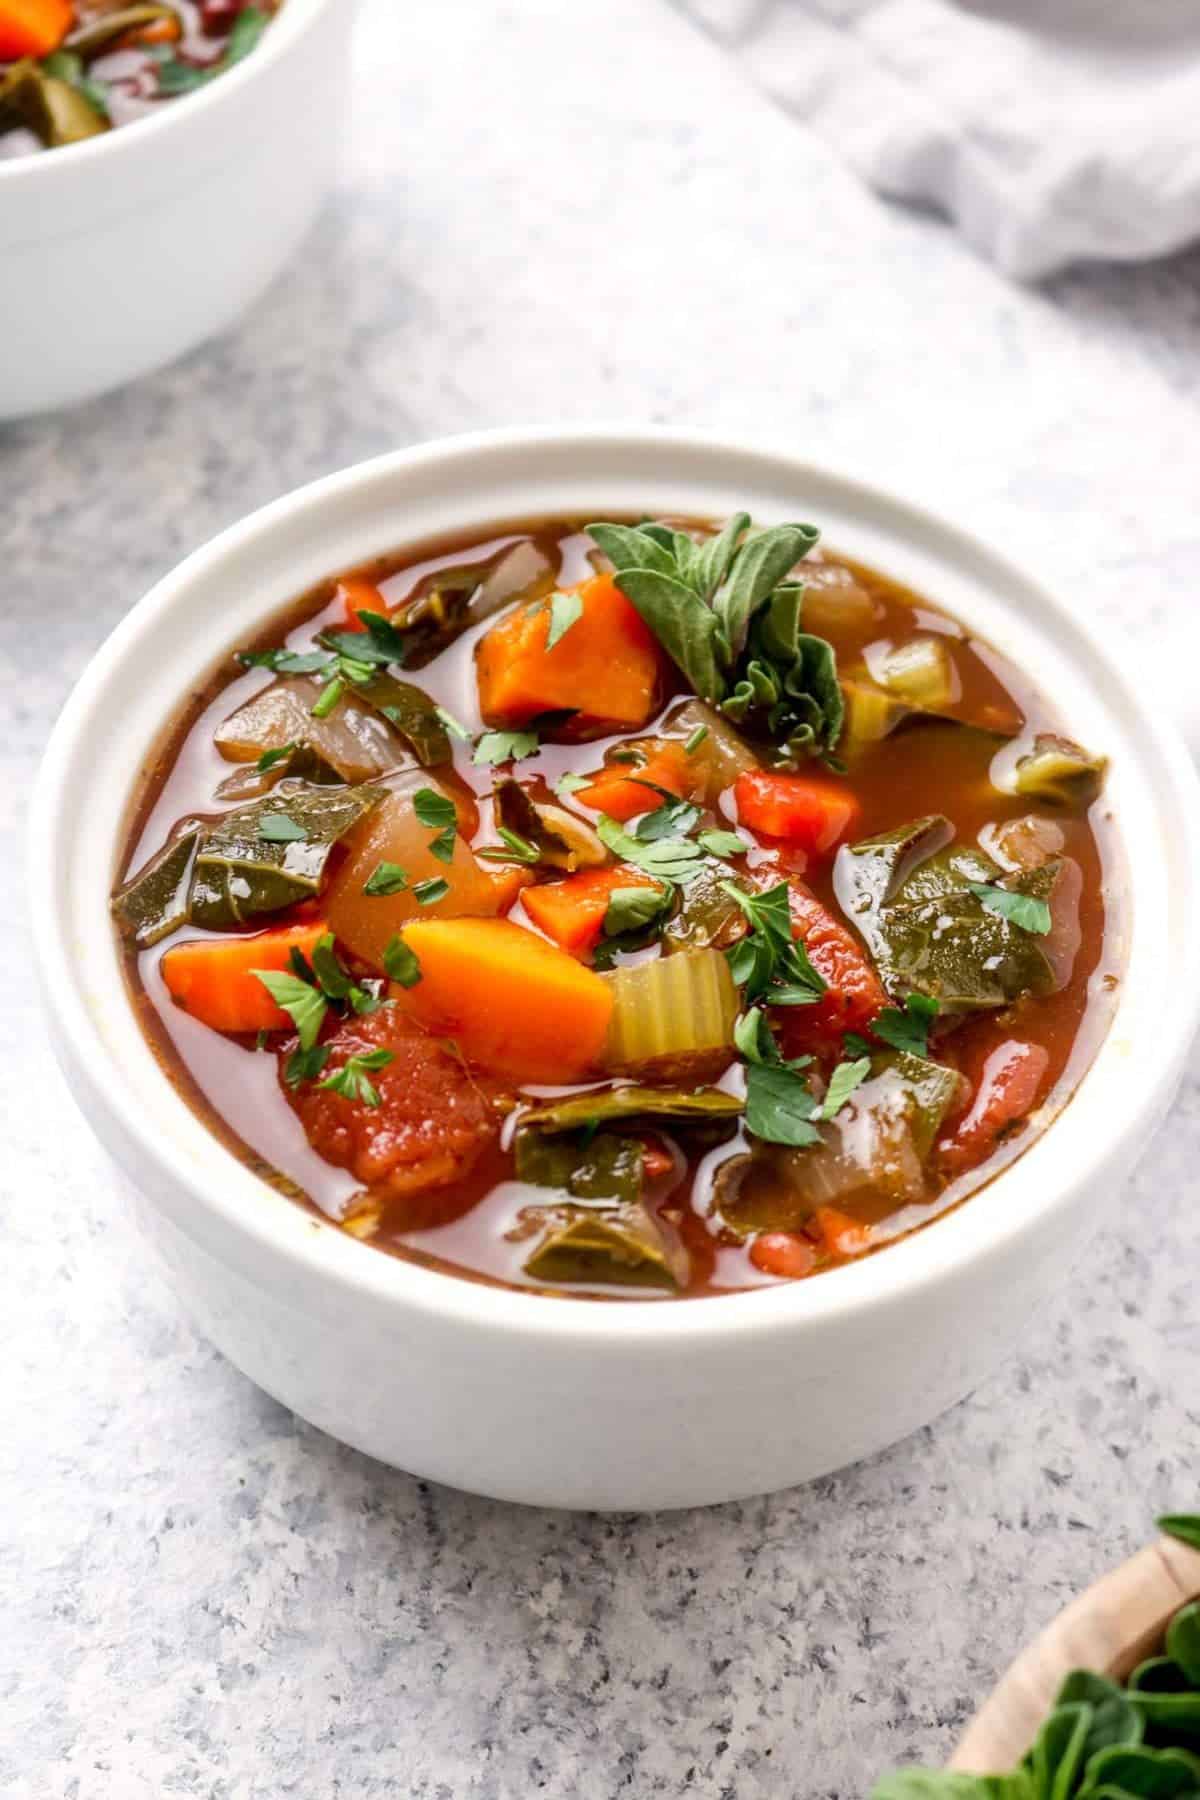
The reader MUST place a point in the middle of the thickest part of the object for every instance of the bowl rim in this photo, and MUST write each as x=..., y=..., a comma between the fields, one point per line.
x=294, y=19
x=906, y=1271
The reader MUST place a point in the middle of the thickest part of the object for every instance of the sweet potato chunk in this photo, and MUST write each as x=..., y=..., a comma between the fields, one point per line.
x=605, y=668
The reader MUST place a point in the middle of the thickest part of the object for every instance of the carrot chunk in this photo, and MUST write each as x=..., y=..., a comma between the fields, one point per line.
x=513, y=1003
x=32, y=27
x=572, y=911
x=838, y=1234
x=358, y=596
x=605, y=666
x=801, y=810
x=213, y=978
x=783, y=1254
x=623, y=790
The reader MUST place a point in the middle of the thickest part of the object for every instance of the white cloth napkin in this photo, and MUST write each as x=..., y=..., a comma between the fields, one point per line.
x=1049, y=130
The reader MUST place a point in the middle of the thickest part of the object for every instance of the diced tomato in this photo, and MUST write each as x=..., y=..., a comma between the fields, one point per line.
x=358, y=596
x=433, y=1121
x=854, y=993
x=799, y=809
x=783, y=1254
x=837, y=1233
x=657, y=1160
x=1007, y=1090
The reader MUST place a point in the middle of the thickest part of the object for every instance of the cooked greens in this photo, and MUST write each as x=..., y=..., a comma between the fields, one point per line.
x=725, y=614
x=944, y=920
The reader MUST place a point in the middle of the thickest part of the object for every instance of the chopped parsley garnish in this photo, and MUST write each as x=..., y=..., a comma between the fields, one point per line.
x=306, y=1006
x=770, y=964
x=667, y=859
x=695, y=740
x=285, y=662
x=842, y=1083
x=905, y=1028
x=352, y=1081
x=401, y=963
x=505, y=746
x=570, y=784
x=780, y=1106
x=674, y=818
x=428, y=893
x=305, y=1065
x=1026, y=911
x=565, y=610
x=386, y=878
x=436, y=812
x=722, y=843
x=631, y=908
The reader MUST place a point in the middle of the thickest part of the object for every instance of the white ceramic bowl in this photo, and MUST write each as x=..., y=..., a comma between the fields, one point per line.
x=564, y=1401
x=120, y=253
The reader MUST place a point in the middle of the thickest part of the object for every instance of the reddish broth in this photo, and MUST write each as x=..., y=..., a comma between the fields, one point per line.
x=471, y=1228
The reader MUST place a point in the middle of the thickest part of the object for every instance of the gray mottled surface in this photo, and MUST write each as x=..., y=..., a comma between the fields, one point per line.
x=574, y=211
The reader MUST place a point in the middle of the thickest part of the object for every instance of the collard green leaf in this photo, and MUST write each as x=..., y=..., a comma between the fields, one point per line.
x=238, y=874
x=413, y=714
x=155, y=902
x=707, y=915
x=678, y=1107
x=55, y=110
x=1184, y=1526
x=926, y=927
x=584, y=1164
x=620, y=1245
x=1057, y=770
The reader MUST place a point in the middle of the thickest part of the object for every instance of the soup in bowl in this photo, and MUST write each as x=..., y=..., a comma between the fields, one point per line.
x=551, y=881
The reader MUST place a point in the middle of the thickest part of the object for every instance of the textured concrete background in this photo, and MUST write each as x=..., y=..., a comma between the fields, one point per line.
x=574, y=212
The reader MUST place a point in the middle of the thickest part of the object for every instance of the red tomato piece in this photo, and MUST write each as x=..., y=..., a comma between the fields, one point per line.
x=1007, y=1091
x=783, y=1254
x=799, y=809
x=854, y=993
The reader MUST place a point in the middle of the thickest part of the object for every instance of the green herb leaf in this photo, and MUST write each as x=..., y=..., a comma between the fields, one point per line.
x=1184, y=1526
x=779, y=1106
x=1025, y=910
x=386, y=878
x=565, y=610
x=674, y=818
x=453, y=725
x=428, y=893
x=334, y=981
x=385, y=640
x=695, y=740
x=306, y=1006
x=772, y=964
x=357, y=649
x=278, y=828
x=755, y=571
x=668, y=859
x=505, y=746
x=629, y=909
x=569, y=784
x=351, y=1080
x=305, y=1065
x=905, y=1028
x=285, y=662
x=400, y=963
x=722, y=843
x=842, y=1083
x=436, y=811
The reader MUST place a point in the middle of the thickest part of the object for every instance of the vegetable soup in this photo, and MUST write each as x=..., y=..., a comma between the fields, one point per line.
x=69, y=71
x=624, y=910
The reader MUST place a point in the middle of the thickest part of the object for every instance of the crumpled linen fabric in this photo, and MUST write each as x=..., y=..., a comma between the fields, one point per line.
x=1049, y=131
